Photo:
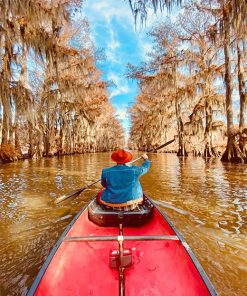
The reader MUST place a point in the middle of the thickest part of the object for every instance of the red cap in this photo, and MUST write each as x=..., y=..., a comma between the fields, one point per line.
x=121, y=156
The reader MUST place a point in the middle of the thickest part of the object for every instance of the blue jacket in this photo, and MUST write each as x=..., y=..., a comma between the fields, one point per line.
x=122, y=183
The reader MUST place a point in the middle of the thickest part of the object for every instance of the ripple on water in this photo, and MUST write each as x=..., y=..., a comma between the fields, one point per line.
x=205, y=200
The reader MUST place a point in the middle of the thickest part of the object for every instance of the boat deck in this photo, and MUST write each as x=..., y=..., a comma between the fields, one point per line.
x=160, y=267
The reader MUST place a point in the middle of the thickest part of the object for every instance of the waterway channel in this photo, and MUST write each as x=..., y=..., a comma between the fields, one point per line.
x=205, y=199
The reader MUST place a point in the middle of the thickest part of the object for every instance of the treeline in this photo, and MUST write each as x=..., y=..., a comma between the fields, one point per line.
x=194, y=85
x=52, y=98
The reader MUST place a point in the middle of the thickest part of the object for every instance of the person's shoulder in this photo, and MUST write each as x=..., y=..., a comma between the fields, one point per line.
x=107, y=169
x=134, y=167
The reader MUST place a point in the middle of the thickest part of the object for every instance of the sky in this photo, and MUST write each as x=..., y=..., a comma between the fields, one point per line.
x=112, y=28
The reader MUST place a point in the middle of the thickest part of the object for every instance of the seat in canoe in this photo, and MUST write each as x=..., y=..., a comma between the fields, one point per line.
x=106, y=216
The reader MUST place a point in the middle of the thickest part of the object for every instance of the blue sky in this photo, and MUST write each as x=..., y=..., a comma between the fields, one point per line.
x=112, y=28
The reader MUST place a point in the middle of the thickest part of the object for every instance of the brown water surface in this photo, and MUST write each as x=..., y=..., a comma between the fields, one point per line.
x=206, y=200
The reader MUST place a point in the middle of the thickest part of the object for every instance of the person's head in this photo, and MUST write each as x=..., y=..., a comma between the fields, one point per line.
x=121, y=156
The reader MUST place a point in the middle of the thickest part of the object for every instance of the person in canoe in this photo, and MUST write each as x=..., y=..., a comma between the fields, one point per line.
x=122, y=189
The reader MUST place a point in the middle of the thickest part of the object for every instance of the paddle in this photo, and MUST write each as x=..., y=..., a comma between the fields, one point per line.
x=162, y=146
x=75, y=193
x=79, y=191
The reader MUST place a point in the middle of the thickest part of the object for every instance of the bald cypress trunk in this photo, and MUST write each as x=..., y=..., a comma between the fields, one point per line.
x=243, y=99
x=16, y=135
x=241, y=87
x=31, y=140
x=5, y=128
x=181, y=145
x=5, y=77
x=232, y=152
x=208, y=152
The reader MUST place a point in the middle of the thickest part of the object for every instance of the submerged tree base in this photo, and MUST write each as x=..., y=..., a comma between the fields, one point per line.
x=211, y=152
x=182, y=152
x=233, y=152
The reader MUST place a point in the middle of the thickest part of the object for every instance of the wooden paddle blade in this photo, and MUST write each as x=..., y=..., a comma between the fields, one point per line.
x=75, y=193
x=162, y=146
x=64, y=197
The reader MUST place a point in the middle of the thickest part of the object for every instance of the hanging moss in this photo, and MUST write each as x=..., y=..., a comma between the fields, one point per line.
x=8, y=153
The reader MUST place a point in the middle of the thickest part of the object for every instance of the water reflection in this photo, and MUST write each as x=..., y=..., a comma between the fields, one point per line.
x=205, y=199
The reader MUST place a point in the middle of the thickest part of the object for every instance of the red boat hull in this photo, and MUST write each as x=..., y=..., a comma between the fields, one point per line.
x=160, y=267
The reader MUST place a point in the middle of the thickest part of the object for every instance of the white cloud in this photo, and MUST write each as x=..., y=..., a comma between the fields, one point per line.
x=99, y=5
x=119, y=91
x=121, y=85
x=106, y=10
x=112, y=46
x=121, y=112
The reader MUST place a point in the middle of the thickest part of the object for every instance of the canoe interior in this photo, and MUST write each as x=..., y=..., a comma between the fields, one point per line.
x=159, y=267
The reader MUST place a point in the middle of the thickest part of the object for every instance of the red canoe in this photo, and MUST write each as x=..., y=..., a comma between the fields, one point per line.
x=121, y=253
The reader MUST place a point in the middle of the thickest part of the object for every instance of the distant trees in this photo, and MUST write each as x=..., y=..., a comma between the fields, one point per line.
x=52, y=99
x=189, y=59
